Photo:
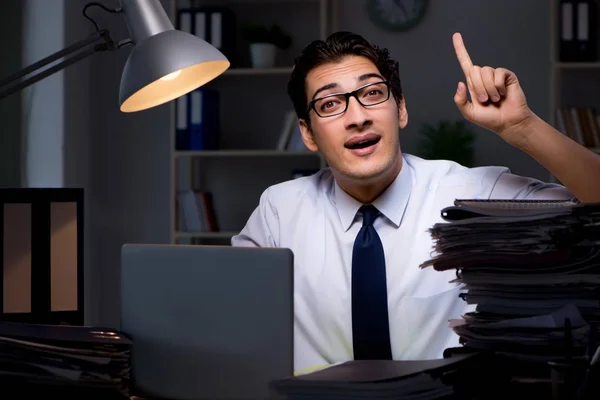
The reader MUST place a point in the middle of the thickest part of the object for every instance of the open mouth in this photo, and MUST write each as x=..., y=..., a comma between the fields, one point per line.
x=362, y=144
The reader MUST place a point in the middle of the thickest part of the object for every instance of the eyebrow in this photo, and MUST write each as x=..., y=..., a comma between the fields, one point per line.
x=334, y=85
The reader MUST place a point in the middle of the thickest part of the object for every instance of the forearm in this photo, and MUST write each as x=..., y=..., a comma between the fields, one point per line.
x=574, y=165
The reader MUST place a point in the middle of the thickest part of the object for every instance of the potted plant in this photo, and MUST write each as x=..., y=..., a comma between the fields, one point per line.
x=448, y=141
x=264, y=42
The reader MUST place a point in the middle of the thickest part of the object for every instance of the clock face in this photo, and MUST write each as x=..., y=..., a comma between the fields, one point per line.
x=396, y=15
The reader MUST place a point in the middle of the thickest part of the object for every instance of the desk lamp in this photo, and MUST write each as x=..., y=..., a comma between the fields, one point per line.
x=164, y=64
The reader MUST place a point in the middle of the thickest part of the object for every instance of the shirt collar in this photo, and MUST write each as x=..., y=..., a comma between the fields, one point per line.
x=391, y=203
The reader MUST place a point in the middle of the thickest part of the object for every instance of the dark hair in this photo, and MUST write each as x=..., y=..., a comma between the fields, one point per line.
x=334, y=49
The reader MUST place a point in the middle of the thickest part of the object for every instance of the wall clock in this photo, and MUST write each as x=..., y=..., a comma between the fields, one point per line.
x=396, y=15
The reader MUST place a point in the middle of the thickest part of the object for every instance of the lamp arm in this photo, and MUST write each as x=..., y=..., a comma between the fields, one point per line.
x=106, y=43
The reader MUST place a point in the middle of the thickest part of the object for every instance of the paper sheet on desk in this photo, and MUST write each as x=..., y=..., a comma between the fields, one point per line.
x=527, y=269
x=512, y=241
x=314, y=368
x=64, y=356
x=555, y=320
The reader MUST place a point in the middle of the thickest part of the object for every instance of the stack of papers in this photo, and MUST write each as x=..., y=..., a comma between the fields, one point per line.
x=531, y=268
x=63, y=360
x=379, y=379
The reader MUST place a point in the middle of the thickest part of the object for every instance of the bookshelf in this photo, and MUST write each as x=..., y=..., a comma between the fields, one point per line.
x=574, y=101
x=258, y=71
x=252, y=107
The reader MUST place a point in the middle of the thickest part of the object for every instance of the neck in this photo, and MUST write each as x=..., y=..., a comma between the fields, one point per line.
x=367, y=191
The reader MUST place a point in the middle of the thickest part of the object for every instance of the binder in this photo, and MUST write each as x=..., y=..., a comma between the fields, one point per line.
x=181, y=124
x=184, y=21
x=203, y=119
x=197, y=120
x=214, y=24
x=577, y=30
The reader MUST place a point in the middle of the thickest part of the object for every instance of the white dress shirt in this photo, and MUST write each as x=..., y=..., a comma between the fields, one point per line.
x=318, y=221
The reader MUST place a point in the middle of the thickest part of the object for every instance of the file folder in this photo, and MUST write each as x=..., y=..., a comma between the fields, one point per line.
x=214, y=24
x=578, y=30
x=204, y=119
x=198, y=120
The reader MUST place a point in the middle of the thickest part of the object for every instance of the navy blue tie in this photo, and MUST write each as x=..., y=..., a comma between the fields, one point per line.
x=370, y=324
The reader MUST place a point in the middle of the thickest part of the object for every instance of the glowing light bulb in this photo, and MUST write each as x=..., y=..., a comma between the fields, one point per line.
x=171, y=76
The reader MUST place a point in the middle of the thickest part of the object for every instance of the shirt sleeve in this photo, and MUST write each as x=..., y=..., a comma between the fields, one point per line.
x=261, y=229
x=511, y=186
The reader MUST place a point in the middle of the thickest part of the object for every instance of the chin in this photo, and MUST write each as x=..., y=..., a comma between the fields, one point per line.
x=367, y=172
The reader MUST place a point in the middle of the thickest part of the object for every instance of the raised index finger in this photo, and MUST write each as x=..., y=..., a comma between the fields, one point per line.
x=462, y=54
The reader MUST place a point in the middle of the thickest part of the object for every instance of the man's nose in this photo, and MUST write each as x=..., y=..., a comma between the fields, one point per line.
x=356, y=115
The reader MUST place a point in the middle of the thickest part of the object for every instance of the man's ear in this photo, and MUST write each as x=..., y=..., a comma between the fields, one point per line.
x=307, y=136
x=402, y=113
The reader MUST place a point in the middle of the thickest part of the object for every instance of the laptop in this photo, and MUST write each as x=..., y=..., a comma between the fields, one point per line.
x=207, y=322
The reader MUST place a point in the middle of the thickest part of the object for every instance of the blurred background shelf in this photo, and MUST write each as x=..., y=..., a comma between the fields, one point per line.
x=577, y=65
x=574, y=79
x=222, y=185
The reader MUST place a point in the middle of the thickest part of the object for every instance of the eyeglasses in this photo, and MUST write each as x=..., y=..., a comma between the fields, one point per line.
x=335, y=104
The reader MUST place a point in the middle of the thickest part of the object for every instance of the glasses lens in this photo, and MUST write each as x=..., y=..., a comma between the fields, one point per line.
x=330, y=105
x=373, y=94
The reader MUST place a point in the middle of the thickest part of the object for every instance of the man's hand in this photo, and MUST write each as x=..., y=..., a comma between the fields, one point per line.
x=497, y=100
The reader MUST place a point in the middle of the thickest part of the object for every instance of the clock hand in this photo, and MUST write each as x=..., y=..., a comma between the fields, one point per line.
x=401, y=7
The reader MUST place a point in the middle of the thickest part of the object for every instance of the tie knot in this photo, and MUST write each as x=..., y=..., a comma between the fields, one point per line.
x=369, y=214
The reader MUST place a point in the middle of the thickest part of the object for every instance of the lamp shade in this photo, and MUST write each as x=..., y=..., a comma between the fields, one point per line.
x=165, y=63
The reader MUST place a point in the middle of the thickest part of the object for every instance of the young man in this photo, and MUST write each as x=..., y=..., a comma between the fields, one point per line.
x=359, y=291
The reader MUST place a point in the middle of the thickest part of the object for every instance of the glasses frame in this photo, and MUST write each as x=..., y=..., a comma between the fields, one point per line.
x=354, y=93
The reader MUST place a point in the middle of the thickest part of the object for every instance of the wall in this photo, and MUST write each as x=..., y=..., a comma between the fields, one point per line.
x=10, y=107
x=129, y=172
x=512, y=34
x=55, y=111
x=76, y=138
x=42, y=103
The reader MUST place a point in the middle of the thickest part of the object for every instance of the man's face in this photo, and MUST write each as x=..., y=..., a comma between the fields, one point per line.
x=362, y=143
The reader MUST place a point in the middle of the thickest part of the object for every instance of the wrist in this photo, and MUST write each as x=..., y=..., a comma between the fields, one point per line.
x=522, y=133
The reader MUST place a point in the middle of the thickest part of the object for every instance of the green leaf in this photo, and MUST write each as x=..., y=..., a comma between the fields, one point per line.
x=452, y=141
